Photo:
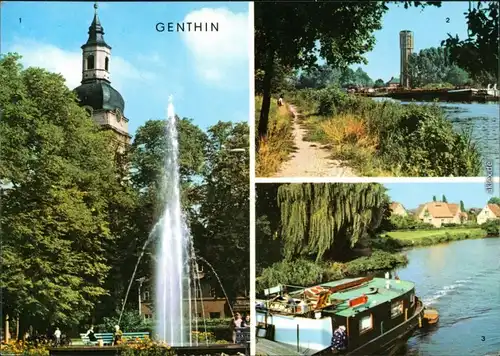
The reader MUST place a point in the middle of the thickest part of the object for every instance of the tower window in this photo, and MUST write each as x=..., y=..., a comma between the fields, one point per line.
x=106, y=63
x=90, y=62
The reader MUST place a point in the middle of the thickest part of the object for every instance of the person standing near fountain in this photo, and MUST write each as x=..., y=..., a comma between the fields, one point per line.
x=236, y=325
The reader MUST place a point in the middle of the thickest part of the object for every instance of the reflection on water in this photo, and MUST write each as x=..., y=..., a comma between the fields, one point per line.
x=482, y=118
x=462, y=281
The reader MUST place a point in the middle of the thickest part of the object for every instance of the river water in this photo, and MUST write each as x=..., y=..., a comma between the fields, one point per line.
x=484, y=121
x=462, y=281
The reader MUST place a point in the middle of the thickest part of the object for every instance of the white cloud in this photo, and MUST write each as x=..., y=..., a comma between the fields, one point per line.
x=220, y=57
x=69, y=64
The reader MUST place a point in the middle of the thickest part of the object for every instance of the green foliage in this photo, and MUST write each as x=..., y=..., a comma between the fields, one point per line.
x=431, y=66
x=55, y=217
x=324, y=218
x=443, y=199
x=494, y=200
x=131, y=322
x=478, y=54
x=379, y=260
x=267, y=225
x=399, y=222
x=327, y=76
x=303, y=272
x=492, y=227
x=221, y=230
x=379, y=83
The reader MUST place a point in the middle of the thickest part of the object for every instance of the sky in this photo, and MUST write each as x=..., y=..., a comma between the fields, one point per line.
x=429, y=27
x=205, y=72
x=411, y=195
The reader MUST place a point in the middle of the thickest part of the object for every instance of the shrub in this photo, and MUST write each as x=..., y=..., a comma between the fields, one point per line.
x=492, y=227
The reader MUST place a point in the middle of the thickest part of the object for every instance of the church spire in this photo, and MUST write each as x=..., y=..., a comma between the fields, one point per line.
x=96, y=32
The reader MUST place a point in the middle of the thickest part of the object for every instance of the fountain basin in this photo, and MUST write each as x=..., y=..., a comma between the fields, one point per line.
x=227, y=349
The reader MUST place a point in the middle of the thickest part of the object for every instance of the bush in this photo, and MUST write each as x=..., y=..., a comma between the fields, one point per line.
x=398, y=222
x=492, y=227
x=131, y=322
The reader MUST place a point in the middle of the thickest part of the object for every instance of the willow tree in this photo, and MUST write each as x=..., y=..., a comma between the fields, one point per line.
x=323, y=220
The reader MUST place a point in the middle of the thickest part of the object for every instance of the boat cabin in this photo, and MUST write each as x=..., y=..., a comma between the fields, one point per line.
x=367, y=307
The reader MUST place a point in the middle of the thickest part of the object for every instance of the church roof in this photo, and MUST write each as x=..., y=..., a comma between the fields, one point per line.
x=100, y=95
x=96, y=32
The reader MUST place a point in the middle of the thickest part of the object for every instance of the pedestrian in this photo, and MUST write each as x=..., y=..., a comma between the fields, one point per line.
x=57, y=336
x=236, y=325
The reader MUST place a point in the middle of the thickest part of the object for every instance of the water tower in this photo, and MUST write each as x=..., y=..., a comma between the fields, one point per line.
x=406, y=47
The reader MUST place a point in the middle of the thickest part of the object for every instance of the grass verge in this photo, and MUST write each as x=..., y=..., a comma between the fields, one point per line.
x=396, y=240
x=279, y=144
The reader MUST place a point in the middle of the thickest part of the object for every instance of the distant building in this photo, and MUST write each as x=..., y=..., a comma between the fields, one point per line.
x=439, y=213
x=406, y=48
x=393, y=83
x=489, y=212
x=398, y=209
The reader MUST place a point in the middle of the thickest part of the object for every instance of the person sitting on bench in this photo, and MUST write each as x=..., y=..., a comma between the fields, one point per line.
x=91, y=335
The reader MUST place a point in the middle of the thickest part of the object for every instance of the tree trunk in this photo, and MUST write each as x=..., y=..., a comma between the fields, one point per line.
x=266, y=100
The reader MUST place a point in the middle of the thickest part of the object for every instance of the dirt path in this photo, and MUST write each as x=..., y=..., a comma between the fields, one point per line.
x=310, y=160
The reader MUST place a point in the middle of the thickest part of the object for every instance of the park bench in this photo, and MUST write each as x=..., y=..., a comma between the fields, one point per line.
x=107, y=338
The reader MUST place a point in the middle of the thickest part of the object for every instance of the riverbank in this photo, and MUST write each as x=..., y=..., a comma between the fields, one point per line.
x=387, y=138
x=385, y=255
x=398, y=240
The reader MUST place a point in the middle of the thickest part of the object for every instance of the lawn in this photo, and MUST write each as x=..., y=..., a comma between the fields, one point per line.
x=418, y=234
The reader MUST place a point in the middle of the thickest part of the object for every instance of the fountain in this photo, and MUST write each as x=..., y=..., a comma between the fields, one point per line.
x=172, y=267
x=177, y=273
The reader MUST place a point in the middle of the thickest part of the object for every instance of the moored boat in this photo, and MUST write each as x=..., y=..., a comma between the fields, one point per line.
x=374, y=314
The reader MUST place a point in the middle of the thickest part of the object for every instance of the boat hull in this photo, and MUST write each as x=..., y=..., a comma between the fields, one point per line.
x=389, y=342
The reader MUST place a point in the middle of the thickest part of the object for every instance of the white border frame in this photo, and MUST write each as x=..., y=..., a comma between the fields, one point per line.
x=251, y=125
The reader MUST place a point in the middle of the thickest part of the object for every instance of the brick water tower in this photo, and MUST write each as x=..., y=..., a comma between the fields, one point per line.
x=406, y=47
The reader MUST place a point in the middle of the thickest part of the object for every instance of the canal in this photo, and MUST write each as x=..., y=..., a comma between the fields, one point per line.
x=462, y=281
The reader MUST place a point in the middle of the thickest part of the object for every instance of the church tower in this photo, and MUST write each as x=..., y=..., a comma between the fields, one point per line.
x=95, y=93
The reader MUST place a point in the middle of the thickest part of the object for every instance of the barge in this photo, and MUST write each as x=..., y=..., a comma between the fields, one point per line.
x=373, y=315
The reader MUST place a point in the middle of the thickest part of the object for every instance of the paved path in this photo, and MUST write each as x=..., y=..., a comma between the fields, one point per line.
x=309, y=159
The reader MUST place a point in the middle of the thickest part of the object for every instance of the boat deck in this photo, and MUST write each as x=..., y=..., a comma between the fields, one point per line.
x=273, y=348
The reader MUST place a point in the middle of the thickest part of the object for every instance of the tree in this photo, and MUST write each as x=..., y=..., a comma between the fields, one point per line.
x=328, y=219
x=296, y=34
x=494, y=200
x=444, y=199
x=434, y=198
x=462, y=206
x=268, y=244
x=379, y=83
x=432, y=66
x=478, y=54
x=55, y=216
x=221, y=234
